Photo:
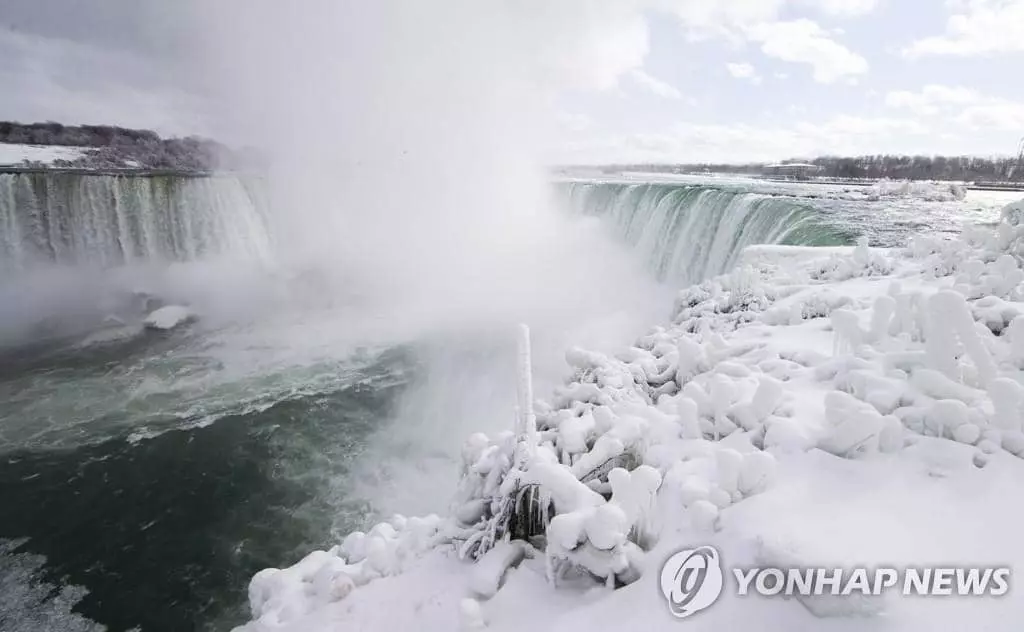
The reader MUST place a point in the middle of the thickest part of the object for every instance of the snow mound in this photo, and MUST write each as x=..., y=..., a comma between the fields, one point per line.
x=168, y=317
x=859, y=388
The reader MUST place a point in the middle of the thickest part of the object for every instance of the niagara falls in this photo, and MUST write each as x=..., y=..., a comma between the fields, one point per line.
x=503, y=315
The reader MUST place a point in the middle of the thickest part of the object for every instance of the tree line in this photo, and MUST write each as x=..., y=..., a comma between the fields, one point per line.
x=895, y=167
x=110, y=146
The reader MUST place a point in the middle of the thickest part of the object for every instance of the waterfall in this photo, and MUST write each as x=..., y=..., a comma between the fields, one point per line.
x=105, y=220
x=690, y=232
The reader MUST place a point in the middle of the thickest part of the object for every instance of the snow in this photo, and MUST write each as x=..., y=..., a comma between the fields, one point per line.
x=14, y=154
x=168, y=317
x=829, y=407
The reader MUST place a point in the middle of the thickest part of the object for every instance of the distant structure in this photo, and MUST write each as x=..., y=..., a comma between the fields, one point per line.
x=792, y=170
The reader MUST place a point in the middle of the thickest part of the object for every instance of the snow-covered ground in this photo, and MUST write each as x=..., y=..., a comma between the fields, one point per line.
x=13, y=154
x=815, y=407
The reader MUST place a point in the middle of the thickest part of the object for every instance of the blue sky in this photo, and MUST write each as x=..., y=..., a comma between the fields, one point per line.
x=766, y=80
x=637, y=80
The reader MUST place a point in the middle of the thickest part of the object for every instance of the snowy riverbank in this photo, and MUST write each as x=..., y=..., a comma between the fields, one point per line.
x=814, y=407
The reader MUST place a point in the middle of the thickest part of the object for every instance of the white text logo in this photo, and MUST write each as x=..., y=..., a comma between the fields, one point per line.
x=692, y=580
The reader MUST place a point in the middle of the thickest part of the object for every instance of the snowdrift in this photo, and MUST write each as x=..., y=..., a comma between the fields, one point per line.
x=815, y=406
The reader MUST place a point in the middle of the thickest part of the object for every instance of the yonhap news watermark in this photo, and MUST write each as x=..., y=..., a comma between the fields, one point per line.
x=692, y=580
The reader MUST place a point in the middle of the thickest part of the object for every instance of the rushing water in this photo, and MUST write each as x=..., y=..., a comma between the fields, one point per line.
x=74, y=219
x=144, y=476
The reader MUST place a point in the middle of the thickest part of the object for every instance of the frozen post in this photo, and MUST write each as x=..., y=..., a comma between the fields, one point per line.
x=527, y=422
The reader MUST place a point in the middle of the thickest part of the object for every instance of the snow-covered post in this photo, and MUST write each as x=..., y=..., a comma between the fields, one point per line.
x=526, y=430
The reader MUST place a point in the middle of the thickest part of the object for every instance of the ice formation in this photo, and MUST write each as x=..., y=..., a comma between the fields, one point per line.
x=168, y=317
x=798, y=355
x=920, y=189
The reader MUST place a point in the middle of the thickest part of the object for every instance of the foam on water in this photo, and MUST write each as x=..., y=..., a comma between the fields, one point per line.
x=29, y=603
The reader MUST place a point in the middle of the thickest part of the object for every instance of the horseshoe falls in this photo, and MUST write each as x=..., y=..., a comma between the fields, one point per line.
x=689, y=233
x=156, y=471
x=101, y=220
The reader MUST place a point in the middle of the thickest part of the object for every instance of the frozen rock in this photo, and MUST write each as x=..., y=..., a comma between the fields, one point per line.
x=168, y=317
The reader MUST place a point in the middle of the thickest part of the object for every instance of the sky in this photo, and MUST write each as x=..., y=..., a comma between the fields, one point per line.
x=625, y=80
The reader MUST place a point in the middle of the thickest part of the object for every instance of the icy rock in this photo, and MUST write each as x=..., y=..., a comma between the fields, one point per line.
x=565, y=532
x=1016, y=335
x=689, y=418
x=168, y=317
x=703, y=516
x=1013, y=442
x=635, y=491
x=885, y=309
x=756, y=473
x=729, y=462
x=788, y=435
x=354, y=547
x=949, y=321
x=854, y=427
x=935, y=384
x=946, y=415
x=607, y=527
x=567, y=492
x=471, y=512
x=967, y=433
x=490, y=570
x=763, y=403
x=332, y=581
x=693, y=489
x=1013, y=213
x=848, y=333
x=1007, y=398
x=697, y=393
x=720, y=497
x=575, y=431
x=471, y=616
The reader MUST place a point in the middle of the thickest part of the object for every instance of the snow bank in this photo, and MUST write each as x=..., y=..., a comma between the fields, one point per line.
x=14, y=154
x=832, y=406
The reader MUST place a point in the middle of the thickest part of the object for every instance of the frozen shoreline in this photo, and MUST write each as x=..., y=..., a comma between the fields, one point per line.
x=816, y=406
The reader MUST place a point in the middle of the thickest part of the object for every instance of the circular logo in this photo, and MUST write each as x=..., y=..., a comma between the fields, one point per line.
x=691, y=580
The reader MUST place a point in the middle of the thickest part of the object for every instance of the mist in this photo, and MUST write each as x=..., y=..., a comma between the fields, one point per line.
x=407, y=146
x=407, y=142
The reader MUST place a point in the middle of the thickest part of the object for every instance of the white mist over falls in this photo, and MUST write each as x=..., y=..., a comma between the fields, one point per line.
x=355, y=305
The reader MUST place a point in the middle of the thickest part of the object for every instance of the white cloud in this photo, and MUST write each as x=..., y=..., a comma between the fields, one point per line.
x=701, y=142
x=932, y=98
x=743, y=71
x=585, y=44
x=654, y=85
x=961, y=106
x=843, y=8
x=76, y=82
x=1005, y=116
x=977, y=27
x=573, y=122
x=730, y=17
x=593, y=44
x=722, y=17
x=804, y=41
